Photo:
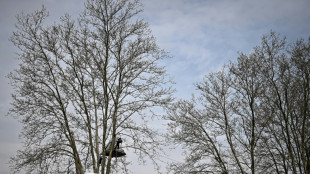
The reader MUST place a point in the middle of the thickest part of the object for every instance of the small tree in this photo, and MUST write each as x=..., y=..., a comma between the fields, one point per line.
x=80, y=82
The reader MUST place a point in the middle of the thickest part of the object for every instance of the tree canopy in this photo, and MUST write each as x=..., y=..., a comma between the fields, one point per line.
x=253, y=116
x=81, y=82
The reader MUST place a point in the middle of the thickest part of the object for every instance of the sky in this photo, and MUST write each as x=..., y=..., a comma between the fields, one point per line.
x=200, y=36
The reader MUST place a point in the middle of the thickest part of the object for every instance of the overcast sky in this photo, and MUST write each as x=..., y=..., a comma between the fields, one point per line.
x=200, y=35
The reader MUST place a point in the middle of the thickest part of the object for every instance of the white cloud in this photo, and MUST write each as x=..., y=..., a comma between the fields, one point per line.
x=203, y=35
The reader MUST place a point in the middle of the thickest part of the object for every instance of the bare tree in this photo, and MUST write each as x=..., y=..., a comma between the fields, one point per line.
x=201, y=125
x=248, y=88
x=250, y=117
x=286, y=77
x=81, y=82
